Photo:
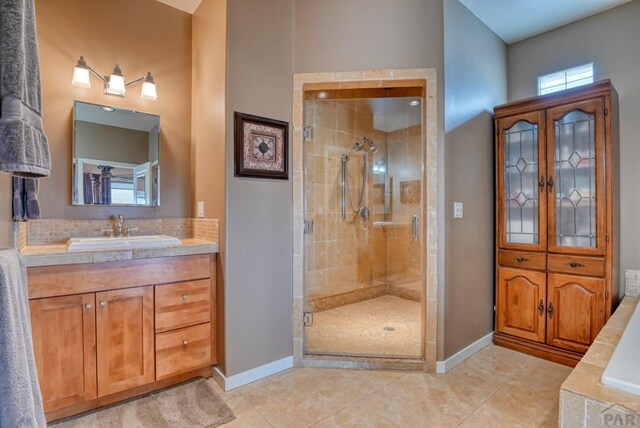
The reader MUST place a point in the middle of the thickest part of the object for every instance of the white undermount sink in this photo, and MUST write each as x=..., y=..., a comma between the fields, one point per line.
x=122, y=243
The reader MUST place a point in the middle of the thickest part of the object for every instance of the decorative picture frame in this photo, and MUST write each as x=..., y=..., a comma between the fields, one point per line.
x=261, y=147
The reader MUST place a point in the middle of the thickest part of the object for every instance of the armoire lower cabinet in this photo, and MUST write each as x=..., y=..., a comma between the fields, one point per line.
x=557, y=221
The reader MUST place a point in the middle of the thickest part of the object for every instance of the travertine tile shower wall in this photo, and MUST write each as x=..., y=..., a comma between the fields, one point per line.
x=342, y=256
x=405, y=166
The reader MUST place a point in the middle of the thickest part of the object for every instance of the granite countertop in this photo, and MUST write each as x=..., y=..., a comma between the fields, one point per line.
x=585, y=381
x=50, y=255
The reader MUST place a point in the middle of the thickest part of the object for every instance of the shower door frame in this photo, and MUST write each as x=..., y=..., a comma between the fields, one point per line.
x=391, y=78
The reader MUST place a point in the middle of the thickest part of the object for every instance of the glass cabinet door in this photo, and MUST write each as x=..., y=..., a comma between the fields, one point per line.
x=575, y=165
x=521, y=181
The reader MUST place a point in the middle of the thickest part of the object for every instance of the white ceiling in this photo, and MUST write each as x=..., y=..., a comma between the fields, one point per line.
x=188, y=6
x=515, y=20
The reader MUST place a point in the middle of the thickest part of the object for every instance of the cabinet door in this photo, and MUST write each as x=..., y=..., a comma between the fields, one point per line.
x=575, y=310
x=520, y=182
x=521, y=303
x=64, y=343
x=125, y=339
x=576, y=181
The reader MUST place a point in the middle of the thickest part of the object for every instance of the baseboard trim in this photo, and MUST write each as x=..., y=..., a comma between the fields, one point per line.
x=252, y=375
x=444, y=366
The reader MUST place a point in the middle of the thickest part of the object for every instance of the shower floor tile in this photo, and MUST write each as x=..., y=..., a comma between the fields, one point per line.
x=386, y=326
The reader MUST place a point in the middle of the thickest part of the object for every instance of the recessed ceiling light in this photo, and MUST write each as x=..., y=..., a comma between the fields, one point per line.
x=414, y=103
x=109, y=109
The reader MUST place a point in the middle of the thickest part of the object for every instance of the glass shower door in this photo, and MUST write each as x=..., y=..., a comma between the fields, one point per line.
x=363, y=193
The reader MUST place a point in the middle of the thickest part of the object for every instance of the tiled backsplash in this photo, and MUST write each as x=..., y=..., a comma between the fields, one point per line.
x=49, y=232
x=632, y=282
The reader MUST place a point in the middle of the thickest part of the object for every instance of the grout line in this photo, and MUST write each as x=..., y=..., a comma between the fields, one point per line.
x=479, y=406
x=359, y=399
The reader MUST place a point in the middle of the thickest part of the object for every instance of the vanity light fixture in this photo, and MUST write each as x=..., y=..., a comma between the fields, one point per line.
x=113, y=84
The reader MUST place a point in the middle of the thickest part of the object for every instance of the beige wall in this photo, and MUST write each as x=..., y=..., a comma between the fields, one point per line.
x=611, y=40
x=208, y=129
x=475, y=81
x=259, y=212
x=141, y=36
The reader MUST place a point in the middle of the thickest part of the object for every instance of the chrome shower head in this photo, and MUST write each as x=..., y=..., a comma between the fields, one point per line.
x=371, y=146
x=359, y=146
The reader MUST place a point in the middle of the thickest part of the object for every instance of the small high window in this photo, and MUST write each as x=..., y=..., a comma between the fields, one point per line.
x=565, y=79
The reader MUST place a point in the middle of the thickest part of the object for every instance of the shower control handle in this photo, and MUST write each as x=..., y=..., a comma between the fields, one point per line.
x=415, y=225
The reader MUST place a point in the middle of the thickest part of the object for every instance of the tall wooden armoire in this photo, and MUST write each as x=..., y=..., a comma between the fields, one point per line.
x=557, y=221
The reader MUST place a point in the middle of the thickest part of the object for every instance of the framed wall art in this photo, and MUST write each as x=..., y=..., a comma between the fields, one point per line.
x=261, y=147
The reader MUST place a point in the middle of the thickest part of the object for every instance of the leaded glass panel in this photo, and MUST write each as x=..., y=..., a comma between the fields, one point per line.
x=521, y=188
x=575, y=175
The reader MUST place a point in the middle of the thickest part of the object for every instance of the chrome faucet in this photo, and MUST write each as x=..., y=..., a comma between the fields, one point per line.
x=121, y=228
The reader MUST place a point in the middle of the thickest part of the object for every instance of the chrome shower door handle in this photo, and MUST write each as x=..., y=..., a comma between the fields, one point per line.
x=415, y=225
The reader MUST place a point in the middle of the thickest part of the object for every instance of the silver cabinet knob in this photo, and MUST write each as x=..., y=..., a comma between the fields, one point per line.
x=185, y=296
x=87, y=305
x=103, y=303
x=185, y=342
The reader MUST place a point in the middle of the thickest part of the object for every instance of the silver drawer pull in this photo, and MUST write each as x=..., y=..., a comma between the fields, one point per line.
x=87, y=305
x=185, y=296
x=103, y=303
x=185, y=342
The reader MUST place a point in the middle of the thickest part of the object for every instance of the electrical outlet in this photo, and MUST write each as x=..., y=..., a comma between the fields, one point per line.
x=458, y=210
x=200, y=209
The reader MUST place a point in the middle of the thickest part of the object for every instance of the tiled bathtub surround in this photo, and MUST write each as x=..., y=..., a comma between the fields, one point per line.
x=632, y=282
x=56, y=232
x=584, y=400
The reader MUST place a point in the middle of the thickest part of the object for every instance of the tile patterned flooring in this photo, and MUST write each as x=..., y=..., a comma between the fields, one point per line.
x=494, y=388
x=359, y=329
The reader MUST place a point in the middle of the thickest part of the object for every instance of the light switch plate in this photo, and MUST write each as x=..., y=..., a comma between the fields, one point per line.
x=458, y=210
x=200, y=209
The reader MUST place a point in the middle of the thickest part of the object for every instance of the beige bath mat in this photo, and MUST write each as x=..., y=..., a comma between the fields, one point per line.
x=193, y=404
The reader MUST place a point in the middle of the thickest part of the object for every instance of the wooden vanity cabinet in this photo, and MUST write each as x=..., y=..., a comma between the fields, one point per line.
x=64, y=344
x=119, y=336
x=125, y=348
x=557, y=221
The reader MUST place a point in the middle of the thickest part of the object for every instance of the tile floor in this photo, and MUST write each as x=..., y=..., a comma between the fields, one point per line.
x=494, y=388
x=359, y=329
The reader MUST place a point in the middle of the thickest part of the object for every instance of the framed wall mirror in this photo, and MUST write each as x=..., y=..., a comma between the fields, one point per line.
x=116, y=156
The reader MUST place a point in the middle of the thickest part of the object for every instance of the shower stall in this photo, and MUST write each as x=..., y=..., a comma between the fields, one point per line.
x=363, y=205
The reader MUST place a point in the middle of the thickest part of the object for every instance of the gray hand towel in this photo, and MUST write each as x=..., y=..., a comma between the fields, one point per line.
x=24, y=149
x=20, y=399
x=18, y=199
x=31, y=194
x=25, y=199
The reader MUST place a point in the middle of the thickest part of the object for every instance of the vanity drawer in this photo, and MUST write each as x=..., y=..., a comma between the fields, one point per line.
x=522, y=259
x=578, y=265
x=183, y=350
x=182, y=304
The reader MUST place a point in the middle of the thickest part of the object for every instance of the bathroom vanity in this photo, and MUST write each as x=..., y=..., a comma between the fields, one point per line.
x=107, y=331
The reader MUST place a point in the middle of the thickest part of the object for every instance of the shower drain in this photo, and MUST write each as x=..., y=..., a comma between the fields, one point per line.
x=389, y=328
